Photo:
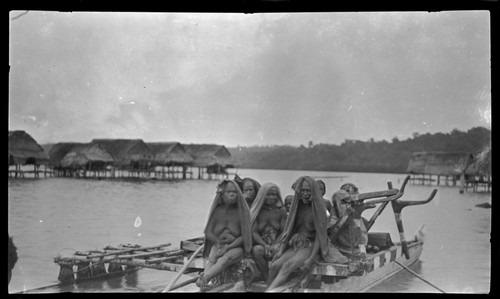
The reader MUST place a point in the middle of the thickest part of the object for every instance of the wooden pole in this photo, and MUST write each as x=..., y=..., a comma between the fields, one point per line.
x=186, y=265
x=378, y=211
x=130, y=250
x=462, y=182
x=420, y=277
x=184, y=283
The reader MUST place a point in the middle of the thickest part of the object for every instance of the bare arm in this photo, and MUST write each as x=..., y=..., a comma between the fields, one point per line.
x=283, y=220
x=236, y=243
x=256, y=236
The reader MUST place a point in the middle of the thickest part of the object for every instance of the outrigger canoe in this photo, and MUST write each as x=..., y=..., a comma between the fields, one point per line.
x=381, y=260
x=356, y=276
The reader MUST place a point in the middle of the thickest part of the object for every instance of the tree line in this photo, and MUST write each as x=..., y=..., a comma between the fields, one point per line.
x=359, y=156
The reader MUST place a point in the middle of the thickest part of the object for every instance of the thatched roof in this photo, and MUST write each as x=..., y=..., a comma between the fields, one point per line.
x=82, y=155
x=59, y=150
x=206, y=155
x=47, y=147
x=169, y=153
x=24, y=149
x=481, y=164
x=124, y=151
x=439, y=163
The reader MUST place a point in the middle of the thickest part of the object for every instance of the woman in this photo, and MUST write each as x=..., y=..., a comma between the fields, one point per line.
x=227, y=233
x=268, y=218
x=249, y=187
x=304, y=235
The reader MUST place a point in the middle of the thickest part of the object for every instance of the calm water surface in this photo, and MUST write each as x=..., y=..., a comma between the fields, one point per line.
x=55, y=216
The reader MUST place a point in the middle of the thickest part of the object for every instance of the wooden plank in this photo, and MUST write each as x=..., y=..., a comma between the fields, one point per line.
x=109, y=258
x=192, y=244
x=331, y=269
x=160, y=252
x=115, y=252
x=368, y=195
x=163, y=259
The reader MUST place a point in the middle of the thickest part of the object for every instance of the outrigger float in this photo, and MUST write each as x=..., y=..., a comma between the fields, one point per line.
x=381, y=260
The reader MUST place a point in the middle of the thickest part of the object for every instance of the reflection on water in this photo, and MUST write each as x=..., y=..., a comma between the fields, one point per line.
x=63, y=215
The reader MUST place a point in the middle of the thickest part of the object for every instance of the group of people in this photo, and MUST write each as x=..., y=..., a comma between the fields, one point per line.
x=248, y=219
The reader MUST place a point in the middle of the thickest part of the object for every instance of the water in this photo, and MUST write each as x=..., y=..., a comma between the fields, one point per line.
x=61, y=215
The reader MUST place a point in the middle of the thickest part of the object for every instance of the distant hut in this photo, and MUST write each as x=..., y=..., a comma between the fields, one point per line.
x=24, y=150
x=57, y=153
x=128, y=154
x=88, y=157
x=451, y=165
x=170, y=154
x=212, y=159
x=478, y=173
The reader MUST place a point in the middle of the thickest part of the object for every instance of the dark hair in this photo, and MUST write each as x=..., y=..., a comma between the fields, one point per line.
x=349, y=187
x=321, y=182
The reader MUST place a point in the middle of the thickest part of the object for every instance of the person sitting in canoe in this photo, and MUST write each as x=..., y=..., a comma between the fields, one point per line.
x=249, y=187
x=228, y=233
x=322, y=188
x=267, y=216
x=304, y=235
x=347, y=230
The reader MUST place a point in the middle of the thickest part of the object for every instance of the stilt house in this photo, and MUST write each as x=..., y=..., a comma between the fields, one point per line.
x=211, y=159
x=24, y=150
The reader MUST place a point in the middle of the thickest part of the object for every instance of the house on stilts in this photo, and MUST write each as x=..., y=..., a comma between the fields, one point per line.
x=478, y=173
x=170, y=160
x=26, y=156
x=132, y=158
x=212, y=160
x=442, y=168
x=57, y=153
x=88, y=160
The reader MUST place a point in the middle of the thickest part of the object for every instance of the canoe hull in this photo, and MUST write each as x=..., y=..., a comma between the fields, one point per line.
x=384, y=267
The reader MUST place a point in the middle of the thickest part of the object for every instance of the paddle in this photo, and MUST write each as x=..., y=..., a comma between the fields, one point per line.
x=172, y=282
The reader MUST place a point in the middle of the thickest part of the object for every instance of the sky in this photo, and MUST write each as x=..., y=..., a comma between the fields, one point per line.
x=248, y=79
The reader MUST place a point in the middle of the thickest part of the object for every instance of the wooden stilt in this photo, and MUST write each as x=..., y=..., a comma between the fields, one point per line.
x=462, y=183
x=83, y=271
x=98, y=269
x=114, y=268
x=66, y=273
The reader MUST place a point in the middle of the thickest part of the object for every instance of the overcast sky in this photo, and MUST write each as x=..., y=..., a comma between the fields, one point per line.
x=248, y=79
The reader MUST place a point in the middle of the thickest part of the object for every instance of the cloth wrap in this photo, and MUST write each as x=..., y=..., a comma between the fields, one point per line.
x=270, y=234
x=243, y=211
x=319, y=216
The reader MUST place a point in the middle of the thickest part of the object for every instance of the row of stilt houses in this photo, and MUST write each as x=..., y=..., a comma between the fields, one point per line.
x=468, y=171
x=134, y=158
x=117, y=158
